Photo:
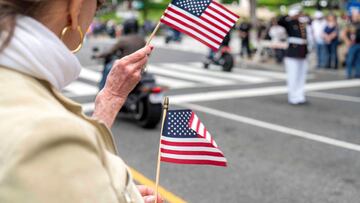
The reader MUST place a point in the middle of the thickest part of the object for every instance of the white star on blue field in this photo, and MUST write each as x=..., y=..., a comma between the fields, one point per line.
x=177, y=124
x=195, y=7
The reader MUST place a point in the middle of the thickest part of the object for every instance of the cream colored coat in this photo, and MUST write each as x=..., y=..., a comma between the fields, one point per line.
x=51, y=152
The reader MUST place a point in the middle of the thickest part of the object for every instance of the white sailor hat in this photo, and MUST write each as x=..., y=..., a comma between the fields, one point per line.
x=294, y=11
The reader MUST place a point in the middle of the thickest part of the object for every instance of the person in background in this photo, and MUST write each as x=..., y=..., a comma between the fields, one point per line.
x=353, y=55
x=99, y=28
x=347, y=37
x=318, y=26
x=111, y=29
x=261, y=30
x=278, y=35
x=130, y=24
x=331, y=35
x=147, y=27
x=225, y=43
x=296, y=64
x=50, y=151
x=244, y=32
x=307, y=21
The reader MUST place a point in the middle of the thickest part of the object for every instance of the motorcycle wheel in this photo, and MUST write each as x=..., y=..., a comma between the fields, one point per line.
x=228, y=62
x=148, y=115
x=167, y=39
x=206, y=65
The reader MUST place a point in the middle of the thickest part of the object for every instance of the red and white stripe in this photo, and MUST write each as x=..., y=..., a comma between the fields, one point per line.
x=190, y=151
x=210, y=28
x=199, y=128
x=199, y=150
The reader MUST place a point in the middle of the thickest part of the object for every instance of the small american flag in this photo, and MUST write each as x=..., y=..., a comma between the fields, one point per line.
x=205, y=20
x=185, y=140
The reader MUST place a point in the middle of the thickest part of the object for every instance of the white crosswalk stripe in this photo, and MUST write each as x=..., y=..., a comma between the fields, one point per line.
x=202, y=78
x=78, y=88
x=173, y=83
x=262, y=73
x=198, y=68
x=90, y=75
x=180, y=76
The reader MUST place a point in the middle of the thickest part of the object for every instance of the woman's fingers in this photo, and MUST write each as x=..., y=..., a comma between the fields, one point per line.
x=136, y=61
x=126, y=72
x=139, y=65
x=126, y=69
x=145, y=190
x=151, y=199
x=148, y=194
x=138, y=55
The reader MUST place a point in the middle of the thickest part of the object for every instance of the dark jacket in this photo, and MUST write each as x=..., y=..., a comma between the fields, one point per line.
x=295, y=29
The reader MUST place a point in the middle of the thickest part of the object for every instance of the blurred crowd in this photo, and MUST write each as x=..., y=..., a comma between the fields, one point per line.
x=326, y=34
x=335, y=40
x=112, y=29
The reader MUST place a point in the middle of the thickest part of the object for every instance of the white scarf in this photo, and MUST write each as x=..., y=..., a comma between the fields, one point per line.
x=38, y=52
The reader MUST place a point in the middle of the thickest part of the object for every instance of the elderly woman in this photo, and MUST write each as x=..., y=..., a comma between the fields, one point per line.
x=49, y=150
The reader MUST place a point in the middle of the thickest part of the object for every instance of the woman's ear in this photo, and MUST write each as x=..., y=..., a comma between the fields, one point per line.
x=74, y=11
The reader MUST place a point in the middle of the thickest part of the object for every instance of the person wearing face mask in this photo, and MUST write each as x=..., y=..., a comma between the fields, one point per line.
x=318, y=26
x=278, y=35
x=331, y=33
x=50, y=151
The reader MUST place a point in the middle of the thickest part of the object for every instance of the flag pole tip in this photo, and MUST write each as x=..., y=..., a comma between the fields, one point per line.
x=166, y=102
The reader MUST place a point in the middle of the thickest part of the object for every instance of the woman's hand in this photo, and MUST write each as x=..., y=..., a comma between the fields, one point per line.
x=148, y=194
x=123, y=77
x=126, y=73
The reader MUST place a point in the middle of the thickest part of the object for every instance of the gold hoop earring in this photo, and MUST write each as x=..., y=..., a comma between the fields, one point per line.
x=66, y=29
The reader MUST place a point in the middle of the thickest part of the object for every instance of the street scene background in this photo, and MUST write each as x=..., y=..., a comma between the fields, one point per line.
x=276, y=152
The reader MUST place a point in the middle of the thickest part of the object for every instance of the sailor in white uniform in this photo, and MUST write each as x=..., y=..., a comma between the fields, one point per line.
x=295, y=61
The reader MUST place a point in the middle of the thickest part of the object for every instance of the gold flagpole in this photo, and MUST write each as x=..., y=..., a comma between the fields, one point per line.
x=165, y=109
x=149, y=40
x=153, y=33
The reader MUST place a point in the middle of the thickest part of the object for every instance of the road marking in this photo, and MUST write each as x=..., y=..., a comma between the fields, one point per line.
x=274, y=127
x=91, y=75
x=248, y=72
x=95, y=76
x=88, y=107
x=334, y=96
x=168, y=196
x=332, y=85
x=81, y=89
x=173, y=83
x=256, y=92
x=183, y=46
x=244, y=93
x=188, y=76
x=271, y=74
x=197, y=68
x=228, y=94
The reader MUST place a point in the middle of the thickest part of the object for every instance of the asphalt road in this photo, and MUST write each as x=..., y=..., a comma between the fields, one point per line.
x=276, y=152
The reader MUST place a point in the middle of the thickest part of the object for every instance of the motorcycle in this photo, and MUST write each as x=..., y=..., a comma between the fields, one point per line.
x=221, y=58
x=144, y=102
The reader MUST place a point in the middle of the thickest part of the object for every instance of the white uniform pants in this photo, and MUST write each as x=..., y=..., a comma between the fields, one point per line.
x=296, y=70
